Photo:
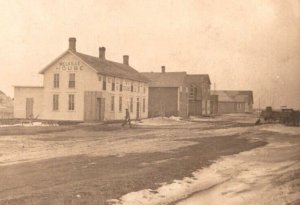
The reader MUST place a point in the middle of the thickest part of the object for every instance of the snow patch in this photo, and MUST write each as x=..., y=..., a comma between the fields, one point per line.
x=282, y=129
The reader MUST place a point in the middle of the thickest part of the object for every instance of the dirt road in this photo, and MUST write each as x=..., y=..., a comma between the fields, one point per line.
x=109, y=164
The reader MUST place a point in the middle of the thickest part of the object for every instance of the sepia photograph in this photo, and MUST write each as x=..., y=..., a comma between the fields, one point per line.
x=161, y=102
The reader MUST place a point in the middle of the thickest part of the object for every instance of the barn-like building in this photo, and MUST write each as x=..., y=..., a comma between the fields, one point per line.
x=80, y=87
x=168, y=93
x=234, y=101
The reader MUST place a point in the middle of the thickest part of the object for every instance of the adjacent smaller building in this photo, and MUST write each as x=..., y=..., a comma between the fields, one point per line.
x=6, y=106
x=230, y=101
x=168, y=94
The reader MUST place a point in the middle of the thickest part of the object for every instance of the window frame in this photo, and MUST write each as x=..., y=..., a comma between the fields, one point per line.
x=120, y=103
x=144, y=105
x=72, y=82
x=56, y=80
x=131, y=104
x=104, y=83
x=55, y=102
x=112, y=103
x=71, y=102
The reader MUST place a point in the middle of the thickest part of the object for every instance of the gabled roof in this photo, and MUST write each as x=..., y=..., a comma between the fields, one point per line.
x=196, y=78
x=2, y=93
x=234, y=95
x=105, y=67
x=167, y=79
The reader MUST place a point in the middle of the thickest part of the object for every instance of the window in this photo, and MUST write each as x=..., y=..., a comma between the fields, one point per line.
x=104, y=83
x=72, y=80
x=193, y=92
x=55, y=102
x=113, y=84
x=131, y=104
x=71, y=102
x=112, y=103
x=56, y=80
x=131, y=87
x=121, y=87
x=120, y=103
x=144, y=105
x=139, y=86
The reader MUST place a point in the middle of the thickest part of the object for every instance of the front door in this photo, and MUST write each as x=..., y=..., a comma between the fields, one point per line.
x=99, y=109
x=29, y=108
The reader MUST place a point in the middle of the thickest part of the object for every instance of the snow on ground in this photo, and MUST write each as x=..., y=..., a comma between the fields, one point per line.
x=239, y=118
x=163, y=121
x=224, y=131
x=261, y=176
x=33, y=124
x=282, y=129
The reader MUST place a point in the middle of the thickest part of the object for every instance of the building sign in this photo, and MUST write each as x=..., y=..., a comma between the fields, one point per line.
x=69, y=66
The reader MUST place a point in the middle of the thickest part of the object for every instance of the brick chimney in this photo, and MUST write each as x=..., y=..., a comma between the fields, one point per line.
x=72, y=44
x=126, y=60
x=163, y=69
x=102, y=52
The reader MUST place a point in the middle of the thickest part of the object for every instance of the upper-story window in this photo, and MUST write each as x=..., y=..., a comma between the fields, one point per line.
x=72, y=80
x=104, y=83
x=113, y=84
x=121, y=85
x=139, y=87
x=193, y=92
x=56, y=80
x=131, y=88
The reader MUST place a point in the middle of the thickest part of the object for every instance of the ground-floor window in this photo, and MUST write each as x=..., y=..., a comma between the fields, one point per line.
x=71, y=102
x=131, y=104
x=120, y=103
x=55, y=102
x=112, y=103
x=144, y=105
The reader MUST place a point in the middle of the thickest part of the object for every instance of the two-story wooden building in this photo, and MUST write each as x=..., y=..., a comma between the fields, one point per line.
x=79, y=87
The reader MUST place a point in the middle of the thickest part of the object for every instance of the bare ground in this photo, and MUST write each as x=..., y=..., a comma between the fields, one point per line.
x=95, y=163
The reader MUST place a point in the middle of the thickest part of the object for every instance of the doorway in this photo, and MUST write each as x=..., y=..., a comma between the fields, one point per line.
x=138, y=109
x=29, y=108
x=99, y=109
x=94, y=106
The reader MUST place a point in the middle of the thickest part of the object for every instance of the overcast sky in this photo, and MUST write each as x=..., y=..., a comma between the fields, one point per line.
x=241, y=44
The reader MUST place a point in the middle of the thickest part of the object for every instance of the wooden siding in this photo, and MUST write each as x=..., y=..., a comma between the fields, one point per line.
x=93, y=111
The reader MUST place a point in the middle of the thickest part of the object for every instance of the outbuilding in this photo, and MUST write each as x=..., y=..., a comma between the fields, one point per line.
x=234, y=101
x=80, y=87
